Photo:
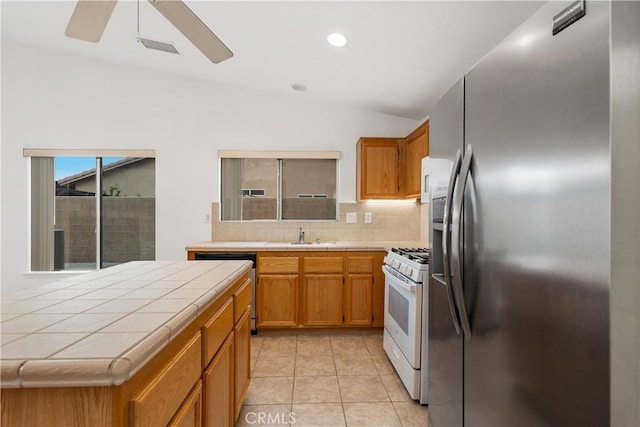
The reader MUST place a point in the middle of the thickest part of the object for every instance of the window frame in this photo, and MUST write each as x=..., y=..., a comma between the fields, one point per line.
x=99, y=155
x=279, y=156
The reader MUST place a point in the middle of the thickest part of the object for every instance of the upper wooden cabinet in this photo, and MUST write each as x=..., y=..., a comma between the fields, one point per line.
x=416, y=147
x=391, y=168
x=377, y=168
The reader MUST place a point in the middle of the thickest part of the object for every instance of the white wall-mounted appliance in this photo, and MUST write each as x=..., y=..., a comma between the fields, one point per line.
x=424, y=185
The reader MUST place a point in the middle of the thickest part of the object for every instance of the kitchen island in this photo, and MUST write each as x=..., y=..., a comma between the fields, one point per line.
x=142, y=343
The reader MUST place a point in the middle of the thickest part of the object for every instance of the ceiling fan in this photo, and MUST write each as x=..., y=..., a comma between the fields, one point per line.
x=90, y=17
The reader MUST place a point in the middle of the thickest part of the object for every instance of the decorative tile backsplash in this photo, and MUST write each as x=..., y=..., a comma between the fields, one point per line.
x=391, y=221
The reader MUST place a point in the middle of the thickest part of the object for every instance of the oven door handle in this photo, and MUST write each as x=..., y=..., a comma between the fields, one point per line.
x=456, y=235
x=397, y=282
x=446, y=241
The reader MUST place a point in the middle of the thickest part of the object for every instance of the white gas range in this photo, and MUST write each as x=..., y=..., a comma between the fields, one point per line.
x=406, y=272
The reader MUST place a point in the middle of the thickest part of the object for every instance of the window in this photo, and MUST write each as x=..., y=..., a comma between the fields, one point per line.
x=276, y=188
x=91, y=212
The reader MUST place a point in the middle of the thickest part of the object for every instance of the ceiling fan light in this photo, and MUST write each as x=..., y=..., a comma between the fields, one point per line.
x=337, y=39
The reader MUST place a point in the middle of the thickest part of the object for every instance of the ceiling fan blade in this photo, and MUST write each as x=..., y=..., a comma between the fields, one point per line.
x=89, y=19
x=193, y=29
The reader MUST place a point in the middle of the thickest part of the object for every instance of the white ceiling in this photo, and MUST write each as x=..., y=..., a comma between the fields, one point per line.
x=401, y=56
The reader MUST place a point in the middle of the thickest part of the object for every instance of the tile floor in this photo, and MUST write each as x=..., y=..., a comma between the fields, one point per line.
x=322, y=379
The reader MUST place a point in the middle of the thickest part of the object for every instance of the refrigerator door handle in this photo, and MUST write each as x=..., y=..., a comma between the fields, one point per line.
x=446, y=240
x=456, y=234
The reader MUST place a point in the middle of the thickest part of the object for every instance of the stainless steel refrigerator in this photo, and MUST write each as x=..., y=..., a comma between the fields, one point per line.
x=520, y=228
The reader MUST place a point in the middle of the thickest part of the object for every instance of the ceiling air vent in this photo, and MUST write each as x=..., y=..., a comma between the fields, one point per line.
x=158, y=45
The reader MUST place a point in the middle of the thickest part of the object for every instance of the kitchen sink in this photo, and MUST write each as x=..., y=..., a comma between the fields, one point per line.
x=313, y=244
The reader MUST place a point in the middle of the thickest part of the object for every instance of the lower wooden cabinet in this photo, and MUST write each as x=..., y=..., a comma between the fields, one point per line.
x=242, y=360
x=190, y=413
x=364, y=294
x=359, y=297
x=322, y=300
x=219, y=403
x=222, y=346
x=320, y=289
x=277, y=296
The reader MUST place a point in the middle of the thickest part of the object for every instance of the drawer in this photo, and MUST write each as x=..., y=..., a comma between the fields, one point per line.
x=241, y=300
x=159, y=400
x=278, y=264
x=215, y=331
x=329, y=264
x=360, y=264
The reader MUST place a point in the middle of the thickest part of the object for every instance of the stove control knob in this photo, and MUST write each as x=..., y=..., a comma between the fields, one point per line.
x=407, y=270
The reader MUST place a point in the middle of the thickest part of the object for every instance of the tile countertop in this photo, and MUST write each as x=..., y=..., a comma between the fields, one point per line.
x=100, y=328
x=229, y=246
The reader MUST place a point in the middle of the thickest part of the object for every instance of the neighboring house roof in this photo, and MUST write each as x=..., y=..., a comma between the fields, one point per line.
x=91, y=172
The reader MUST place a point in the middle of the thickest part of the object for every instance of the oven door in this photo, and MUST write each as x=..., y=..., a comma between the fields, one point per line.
x=403, y=315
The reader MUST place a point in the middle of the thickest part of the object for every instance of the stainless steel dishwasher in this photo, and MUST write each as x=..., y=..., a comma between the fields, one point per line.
x=237, y=256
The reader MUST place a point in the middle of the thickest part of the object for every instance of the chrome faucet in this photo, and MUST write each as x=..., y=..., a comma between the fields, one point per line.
x=301, y=237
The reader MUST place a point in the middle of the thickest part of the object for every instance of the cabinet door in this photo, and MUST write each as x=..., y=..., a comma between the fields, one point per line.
x=416, y=147
x=219, y=404
x=277, y=296
x=377, y=167
x=190, y=413
x=242, y=362
x=359, y=295
x=322, y=300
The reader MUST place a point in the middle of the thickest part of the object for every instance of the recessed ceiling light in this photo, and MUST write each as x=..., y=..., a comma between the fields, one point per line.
x=337, y=39
x=299, y=87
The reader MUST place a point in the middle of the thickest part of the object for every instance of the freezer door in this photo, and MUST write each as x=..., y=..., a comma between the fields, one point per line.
x=444, y=374
x=536, y=281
